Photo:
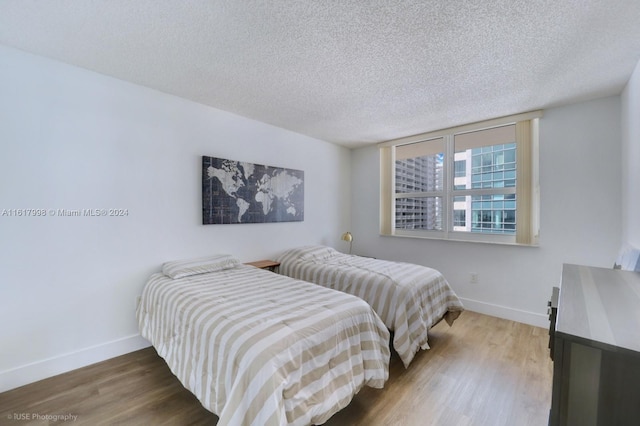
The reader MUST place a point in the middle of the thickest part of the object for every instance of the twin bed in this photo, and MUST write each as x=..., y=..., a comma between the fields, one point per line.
x=258, y=348
x=409, y=298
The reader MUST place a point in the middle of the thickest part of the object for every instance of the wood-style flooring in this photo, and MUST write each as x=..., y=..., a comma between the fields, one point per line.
x=481, y=371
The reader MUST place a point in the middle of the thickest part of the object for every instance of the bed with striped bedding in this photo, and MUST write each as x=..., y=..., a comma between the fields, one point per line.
x=258, y=348
x=409, y=298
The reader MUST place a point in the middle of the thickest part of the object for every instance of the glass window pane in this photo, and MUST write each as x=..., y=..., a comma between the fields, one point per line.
x=419, y=213
x=493, y=214
x=485, y=214
x=419, y=166
x=459, y=218
x=491, y=152
x=460, y=168
x=475, y=162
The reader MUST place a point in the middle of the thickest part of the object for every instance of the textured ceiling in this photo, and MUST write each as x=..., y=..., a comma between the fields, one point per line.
x=349, y=72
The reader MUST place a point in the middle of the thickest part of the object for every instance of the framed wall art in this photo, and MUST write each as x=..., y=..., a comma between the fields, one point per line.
x=241, y=192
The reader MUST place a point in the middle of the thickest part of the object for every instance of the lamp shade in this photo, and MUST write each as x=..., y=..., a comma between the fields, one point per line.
x=347, y=237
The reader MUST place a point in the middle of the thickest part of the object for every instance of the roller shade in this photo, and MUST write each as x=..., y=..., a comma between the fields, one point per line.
x=420, y=149
x=495, y=136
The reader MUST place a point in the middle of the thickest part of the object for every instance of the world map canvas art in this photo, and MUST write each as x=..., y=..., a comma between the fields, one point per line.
x=241, y=192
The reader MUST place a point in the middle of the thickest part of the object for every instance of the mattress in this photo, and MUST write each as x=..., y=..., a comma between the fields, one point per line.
x=409, y=298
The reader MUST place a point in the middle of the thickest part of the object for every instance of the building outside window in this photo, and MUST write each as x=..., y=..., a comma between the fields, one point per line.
x=420, y=174
x=492, y=166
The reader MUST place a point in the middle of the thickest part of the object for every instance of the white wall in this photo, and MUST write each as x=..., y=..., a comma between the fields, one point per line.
x=74, y=139
x=580, y=179
x=631, y=160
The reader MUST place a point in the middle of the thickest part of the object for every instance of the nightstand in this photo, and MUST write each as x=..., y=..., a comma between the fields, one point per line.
x=265, y=264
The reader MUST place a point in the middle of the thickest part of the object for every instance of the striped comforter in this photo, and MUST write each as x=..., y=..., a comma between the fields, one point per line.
x=257, y=348
x=409, y=298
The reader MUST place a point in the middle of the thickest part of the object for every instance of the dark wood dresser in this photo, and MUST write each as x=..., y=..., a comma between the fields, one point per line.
x=596, y=348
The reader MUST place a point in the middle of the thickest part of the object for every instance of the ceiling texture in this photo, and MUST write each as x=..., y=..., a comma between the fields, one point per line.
x=351, y=72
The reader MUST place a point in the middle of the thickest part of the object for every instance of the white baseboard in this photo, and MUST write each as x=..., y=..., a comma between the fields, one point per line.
x=29, y=373
x=526, y=317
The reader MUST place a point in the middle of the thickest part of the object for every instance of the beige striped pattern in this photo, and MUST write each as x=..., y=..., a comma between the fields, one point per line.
x=258, y=348
x=409, y=298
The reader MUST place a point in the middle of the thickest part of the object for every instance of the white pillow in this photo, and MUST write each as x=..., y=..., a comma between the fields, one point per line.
x=202, y=265
x=318, y=253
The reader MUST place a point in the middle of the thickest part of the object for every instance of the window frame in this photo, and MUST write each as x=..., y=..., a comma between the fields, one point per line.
x=526, y=189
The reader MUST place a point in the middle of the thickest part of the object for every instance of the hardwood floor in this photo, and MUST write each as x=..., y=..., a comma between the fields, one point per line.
x=481, y=371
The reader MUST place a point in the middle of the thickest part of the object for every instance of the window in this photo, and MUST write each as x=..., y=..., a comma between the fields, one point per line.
x=472, y=183
x=460, y=168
